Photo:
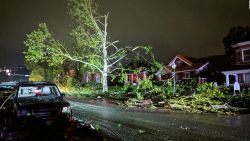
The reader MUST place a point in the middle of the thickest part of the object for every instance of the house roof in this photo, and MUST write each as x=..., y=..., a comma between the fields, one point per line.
x=241, y=44
x=185, y=59
x=218, y=62
x=192, y=64
x=238, y=67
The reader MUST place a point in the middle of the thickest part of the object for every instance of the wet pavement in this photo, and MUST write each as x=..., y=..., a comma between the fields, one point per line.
x=105, y=122
x=134, y=124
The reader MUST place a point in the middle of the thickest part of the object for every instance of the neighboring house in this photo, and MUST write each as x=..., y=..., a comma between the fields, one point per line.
x=86, y=77
x=187, y=68
x=92, y=77
x=240, y=71
x=137, y=71
x=133, y=78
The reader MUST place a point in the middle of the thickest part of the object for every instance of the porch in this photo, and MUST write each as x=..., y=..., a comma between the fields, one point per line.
x=240, y=76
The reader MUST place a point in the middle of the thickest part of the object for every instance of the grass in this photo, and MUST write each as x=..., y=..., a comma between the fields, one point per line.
x=84, y=91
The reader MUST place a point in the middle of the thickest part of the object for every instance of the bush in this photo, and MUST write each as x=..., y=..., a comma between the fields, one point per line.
x=241, y=100
x=209, y=90
x=186, y=87
x=147, y=89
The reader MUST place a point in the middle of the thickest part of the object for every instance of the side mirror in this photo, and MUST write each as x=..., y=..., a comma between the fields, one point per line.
x=63, y=94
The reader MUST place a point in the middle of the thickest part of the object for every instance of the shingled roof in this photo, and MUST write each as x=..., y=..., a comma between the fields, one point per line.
x=192, y=64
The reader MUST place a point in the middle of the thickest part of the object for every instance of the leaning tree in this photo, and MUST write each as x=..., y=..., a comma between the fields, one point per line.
x=91, y=45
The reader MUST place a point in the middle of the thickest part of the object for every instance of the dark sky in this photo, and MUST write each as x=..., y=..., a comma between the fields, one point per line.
x=189, y=27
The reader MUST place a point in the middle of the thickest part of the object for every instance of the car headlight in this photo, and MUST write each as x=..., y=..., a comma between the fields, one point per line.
x=66, y=110
x=23, y=113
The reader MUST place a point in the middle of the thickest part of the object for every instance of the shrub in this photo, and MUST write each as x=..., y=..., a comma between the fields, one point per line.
x=209, y=90
x=147, y=89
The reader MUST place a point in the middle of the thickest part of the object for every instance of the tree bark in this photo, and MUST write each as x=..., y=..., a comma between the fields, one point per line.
x=104, y=58
x=104, y=82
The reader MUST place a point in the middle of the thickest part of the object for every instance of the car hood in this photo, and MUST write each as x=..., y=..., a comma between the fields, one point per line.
x=41, y=103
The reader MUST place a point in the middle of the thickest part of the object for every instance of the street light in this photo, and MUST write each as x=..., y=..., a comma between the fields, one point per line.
x=7, y=71
x=174, y=67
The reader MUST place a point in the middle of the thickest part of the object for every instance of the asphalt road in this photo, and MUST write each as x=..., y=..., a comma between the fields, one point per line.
x=150, y=125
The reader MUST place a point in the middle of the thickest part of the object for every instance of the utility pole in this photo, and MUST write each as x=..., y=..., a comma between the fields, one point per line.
x=174, y=67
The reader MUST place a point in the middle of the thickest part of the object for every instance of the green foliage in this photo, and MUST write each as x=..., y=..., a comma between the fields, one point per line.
x=196, y=103
x=69, y=82
x=85, y=36
x=209, y=90
x=147, y=89
x=225, y=90
x=241, y=100
x=132, y=102
x=145, y=85
x=78, y=92
x=40, y=44
x=37, y=75
x=186, y=88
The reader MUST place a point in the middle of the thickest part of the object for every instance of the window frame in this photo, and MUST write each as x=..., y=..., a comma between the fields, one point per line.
x=239, y=56
x=187, y=74
x=243, y=55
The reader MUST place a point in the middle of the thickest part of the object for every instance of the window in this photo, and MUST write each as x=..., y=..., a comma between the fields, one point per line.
x=186, y=75
x=238, y=56
x=31, y=91
x=178, y=62
x=247, y=77
x=246, y=55
x=130, y=77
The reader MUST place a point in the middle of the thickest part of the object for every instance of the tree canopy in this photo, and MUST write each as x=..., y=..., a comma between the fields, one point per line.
x=38, y=57
x=90, y=44
x=235, y=35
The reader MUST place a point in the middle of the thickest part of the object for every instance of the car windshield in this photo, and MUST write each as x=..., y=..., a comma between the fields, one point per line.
x=32, y=91
x=7, y=87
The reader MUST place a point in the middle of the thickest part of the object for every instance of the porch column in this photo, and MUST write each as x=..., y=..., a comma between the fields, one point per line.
x=236, y=77
x=227, y=80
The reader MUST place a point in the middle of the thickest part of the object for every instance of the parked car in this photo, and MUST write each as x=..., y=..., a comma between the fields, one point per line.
x=38, y=103
x=6, y=89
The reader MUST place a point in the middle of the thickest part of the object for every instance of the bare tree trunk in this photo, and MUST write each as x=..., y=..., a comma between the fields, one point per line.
x=104, y=82
x=104, y=59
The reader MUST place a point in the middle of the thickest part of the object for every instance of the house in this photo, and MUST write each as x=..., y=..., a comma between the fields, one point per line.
x=240, y=70
x=133, y=78
x=136, y=71
x=92, y=77
x=187, y=68
x=87, y=76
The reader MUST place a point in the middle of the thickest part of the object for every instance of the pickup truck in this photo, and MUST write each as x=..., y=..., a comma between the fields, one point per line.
x=38, y=103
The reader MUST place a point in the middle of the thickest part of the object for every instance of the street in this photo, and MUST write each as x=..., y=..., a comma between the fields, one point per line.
x=134, y=124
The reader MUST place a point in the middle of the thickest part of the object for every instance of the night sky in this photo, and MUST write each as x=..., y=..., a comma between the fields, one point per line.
x=189, y=27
